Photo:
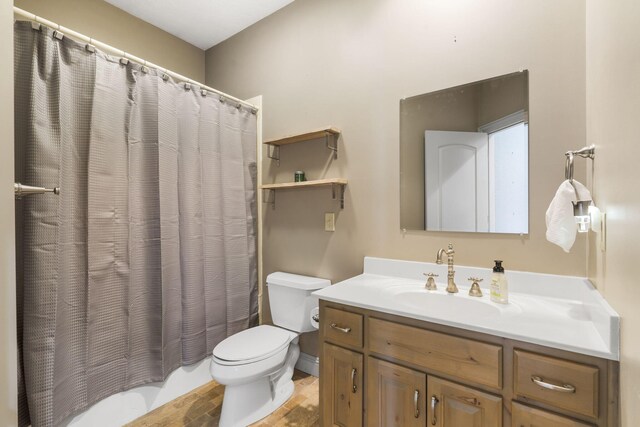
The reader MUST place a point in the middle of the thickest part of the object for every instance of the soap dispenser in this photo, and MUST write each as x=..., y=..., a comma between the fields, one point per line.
x=499, y=286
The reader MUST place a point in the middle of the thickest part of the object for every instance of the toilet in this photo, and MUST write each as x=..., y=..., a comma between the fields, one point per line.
x=256, y=365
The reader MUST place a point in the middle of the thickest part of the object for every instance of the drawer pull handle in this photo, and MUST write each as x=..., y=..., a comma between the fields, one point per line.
x=416, y=397
x=434, y=402
x=354, y=387
x=341, y=329
x=564, y=388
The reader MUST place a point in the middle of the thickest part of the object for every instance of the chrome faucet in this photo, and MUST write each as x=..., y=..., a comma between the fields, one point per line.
x=451, y=284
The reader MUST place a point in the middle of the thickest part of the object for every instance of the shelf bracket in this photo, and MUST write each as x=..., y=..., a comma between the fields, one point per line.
x=270, y=197
x=335, y=188
x=273, y=152
x=328, y=136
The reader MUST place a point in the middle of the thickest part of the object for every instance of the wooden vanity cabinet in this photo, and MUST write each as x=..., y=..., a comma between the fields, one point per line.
x=378, y=369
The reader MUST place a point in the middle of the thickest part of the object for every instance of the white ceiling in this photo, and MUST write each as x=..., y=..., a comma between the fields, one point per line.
x=203, y=23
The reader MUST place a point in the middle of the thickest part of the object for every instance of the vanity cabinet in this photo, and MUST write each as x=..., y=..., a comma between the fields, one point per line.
x=418, y=373
x=342, y=395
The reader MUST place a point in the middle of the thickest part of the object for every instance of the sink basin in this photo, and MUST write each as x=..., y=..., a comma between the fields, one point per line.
x=454, y=306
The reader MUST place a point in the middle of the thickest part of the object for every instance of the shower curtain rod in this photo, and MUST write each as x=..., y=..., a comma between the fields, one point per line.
x=76, y=35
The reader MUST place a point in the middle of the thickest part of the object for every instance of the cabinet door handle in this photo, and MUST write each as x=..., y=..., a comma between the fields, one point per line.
x=564, y=388
x=354, y=387
x=434, y=402
x=416, y=397
x=341, y=329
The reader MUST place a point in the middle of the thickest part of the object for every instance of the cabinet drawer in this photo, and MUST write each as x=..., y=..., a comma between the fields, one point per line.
x=342, y=327
x=466, y=359
x=566, y=385
x=525, y=416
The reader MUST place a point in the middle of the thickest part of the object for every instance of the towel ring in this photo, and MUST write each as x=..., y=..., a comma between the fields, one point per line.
x=585, y=152
x=568, y=166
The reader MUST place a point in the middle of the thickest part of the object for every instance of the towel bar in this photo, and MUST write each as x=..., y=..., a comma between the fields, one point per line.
x=26, y=190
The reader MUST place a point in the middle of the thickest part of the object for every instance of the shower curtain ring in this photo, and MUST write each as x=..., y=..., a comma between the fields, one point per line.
x=89, y=46
x=57, y=34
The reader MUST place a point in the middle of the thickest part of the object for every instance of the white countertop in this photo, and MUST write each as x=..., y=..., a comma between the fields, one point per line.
x=562, y=312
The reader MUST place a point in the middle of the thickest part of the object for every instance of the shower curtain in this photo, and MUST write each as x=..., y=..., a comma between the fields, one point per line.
x=147, y=258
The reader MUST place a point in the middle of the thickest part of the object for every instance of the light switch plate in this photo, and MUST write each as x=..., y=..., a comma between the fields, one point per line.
x=329, y=221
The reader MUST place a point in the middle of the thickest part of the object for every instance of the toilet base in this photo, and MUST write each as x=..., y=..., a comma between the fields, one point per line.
x=247, y=403
x=244, y=404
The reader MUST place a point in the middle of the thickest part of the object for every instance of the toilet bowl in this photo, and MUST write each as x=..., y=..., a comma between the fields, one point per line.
x=256, y=365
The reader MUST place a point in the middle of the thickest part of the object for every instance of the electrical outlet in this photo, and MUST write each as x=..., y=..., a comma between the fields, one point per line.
x=330, y=221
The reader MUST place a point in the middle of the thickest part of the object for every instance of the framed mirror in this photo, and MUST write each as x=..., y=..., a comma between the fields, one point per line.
x=464, y=158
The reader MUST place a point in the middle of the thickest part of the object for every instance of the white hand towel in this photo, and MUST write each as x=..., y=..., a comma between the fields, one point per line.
x=561, y=224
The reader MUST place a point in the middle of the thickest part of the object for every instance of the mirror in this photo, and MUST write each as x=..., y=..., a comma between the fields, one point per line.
x=464, y=158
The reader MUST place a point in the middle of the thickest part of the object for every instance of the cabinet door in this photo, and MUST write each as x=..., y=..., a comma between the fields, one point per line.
x=341, y=384
x=525, y=416
x=453, y=405
x=395, y=395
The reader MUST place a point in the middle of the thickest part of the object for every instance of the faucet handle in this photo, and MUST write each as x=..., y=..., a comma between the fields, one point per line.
x=431, y=282
x=475, y=290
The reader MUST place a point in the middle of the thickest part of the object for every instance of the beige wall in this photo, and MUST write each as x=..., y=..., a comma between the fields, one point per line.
x=348, y=63
x=8, y=362
x=104, y=22
x=613, y=104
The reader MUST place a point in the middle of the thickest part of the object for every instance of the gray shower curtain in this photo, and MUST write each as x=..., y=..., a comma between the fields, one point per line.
x=147, y=258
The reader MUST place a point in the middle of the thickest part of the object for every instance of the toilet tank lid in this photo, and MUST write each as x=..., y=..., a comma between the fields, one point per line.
x=297, y=281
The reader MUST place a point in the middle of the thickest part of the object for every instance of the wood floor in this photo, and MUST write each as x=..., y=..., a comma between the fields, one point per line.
x=202, y=406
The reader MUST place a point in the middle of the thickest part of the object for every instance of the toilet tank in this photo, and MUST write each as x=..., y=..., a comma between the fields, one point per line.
x=291, y=301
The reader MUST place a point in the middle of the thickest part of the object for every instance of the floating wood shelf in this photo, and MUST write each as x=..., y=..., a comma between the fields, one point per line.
x=316, y=183
x=329, y=134
x=335, y=184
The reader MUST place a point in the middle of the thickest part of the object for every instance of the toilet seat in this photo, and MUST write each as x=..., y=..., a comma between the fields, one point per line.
x=252, y=345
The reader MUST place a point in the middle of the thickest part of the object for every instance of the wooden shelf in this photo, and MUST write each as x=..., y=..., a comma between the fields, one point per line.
x=316, y=183
x=327, y=133
x=307, y=136
x=334, y=183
